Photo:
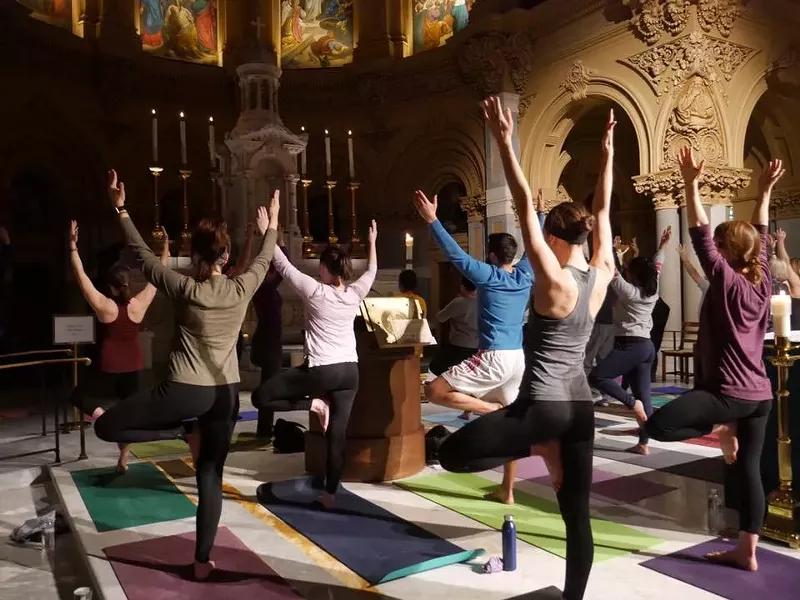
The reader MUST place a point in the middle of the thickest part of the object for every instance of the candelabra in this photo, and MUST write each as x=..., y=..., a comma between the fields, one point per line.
x=214, y=176
x=332, y=238
x=186, y=236
x=782, y=504
x=307, y=239
x=157, y=234
x=353, y=217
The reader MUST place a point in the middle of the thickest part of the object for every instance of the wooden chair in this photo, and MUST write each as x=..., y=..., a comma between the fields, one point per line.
x=681, y=353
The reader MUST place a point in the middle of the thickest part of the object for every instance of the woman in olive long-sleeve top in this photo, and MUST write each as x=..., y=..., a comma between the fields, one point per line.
x=203, y=375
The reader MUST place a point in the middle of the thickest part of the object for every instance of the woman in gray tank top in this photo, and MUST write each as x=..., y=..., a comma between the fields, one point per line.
x=553, y=416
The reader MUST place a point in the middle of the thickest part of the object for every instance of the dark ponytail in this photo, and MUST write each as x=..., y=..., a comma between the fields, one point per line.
x=210, y=246
x=337, y=262
x=644, y=275
x=119, y=280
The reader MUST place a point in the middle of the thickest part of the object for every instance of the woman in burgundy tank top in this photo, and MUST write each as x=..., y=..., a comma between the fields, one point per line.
x=116, y=371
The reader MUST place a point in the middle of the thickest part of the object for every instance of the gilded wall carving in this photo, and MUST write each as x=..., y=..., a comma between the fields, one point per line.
x=497, y=62
x=474, y=206
x=577, y=81
x=653, y=18
x=694, y=122
x=667, y=66
x=718, y=185
x=786, y=203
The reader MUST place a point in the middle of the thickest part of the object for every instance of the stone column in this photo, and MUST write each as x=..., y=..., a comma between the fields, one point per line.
x=117, y=27
x=85, y=17
x=500, y=215
x=294, y=238
x=371, y=32
x=475, y=208
x=691, y=293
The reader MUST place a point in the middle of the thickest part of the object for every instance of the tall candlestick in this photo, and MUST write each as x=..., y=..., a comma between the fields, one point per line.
x=327, y=154
x=781, y=306
x=212, y=142
x=183, y=139
x=350, y=155
x=303, y=157
x=155, y=136
x=409, y=249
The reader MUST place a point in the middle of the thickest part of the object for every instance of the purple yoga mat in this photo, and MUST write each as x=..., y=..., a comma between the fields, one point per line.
x=160, y=569
x=778, y=575
x=530, y=468
x=628, y=490
x=598, y=476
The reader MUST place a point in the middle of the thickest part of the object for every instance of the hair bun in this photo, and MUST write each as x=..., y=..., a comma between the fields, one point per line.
x=587, y=223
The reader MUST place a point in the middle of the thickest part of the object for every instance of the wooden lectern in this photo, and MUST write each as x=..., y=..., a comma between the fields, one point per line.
x=385, y=436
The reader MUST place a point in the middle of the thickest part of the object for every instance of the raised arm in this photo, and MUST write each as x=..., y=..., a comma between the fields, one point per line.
x=769, y=177
x=173, y=284
x=541, y=257
x=142, y=301
x=475, y=270
x=602, y=238
x=783, y=256
x=267, y=223
x=363, y=284
x=306, y=286
x=103, y=306
x=661, y=252
x=691, y=171
x=524, y=263
x=244, y=256
x=696, y=276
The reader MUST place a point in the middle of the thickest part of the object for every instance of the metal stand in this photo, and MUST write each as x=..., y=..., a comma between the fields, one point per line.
x=156, y=235
x=332, y=237
x=186, y=235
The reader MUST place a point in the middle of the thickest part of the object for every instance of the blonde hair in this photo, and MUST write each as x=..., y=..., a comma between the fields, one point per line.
x=742, y=245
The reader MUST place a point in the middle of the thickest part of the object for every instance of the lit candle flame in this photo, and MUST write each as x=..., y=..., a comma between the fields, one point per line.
x=326, y=132
x=210, y=119
x=409, y=239
x=153, y=111
x=349, y=132
x=182, y=115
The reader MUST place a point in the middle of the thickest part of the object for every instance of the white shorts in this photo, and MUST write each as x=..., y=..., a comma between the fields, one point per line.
x=491, y=375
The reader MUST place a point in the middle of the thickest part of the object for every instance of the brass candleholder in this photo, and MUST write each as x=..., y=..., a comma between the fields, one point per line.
x=186, y=235
x=307, y=239
x=782, y=522
x=157, y=236
x=332, y=237
x=354, y=185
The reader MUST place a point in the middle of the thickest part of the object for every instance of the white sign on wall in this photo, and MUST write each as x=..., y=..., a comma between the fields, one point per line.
x=70, y=329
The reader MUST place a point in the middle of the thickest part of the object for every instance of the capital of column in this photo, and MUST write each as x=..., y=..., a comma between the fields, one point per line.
x=474, y=206
x=292, y=178
x=718, y=185
x=786, y=203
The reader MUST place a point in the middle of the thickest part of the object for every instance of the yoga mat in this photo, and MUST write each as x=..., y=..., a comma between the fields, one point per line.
x=658, y=459
x=630, y=489
x=598, y=475
x=531, y=469
x=241, y=441
x=705, y=469
x=538, y=520
x=160, y=569
x=248, y=415
x=600, y=423
x=670, y=389
x=778, y=575
x=659, y=401
x=368, y=539
x=448, y=419
x=141, y=496
x=709, y=441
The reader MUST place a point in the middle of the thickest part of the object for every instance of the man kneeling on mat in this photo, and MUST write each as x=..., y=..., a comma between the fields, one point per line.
x=490, y=379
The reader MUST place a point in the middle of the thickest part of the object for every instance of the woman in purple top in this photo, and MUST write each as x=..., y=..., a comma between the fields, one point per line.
x=732, y=393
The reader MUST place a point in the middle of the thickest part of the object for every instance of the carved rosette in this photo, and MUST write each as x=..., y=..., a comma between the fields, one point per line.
x=577, y=81
x=497, y=62
x=786, y=203
x=669, y=65
x=474, y=206
x=718, y=185
x=652, y=18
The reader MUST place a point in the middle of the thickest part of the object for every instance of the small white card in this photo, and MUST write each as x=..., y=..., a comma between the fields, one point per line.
x=73, y=329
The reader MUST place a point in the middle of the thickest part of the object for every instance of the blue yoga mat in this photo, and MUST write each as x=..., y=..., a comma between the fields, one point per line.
x=448, y=419
x=248, y=415
x=368, y=539
x=670, y=389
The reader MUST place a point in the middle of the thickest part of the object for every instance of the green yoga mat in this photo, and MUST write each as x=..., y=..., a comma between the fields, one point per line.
x=142, y=496
x=241, y=441
x=659, y=400
x=538, y=520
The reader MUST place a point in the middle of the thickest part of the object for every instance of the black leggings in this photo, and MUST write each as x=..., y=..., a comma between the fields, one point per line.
x=695, y=413
x=508, y=434
x=99, y=386
x=293, y=389
x=631, y=358
x=157, y=414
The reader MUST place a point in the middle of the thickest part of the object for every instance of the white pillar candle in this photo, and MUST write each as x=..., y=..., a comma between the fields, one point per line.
x=781, y=306
x=183, y=139
x=155, y=136
x=350, y=156
x=303, y=158
x=409, y=248
x=327, y=154
x=212, y=142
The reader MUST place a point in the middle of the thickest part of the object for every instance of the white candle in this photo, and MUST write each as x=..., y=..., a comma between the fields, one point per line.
x=183, y=139
x=155, y=136
x=212, y=142
x=409, y=248
x=327, y=154
x=303, y=157
x=350, y=156
x=781, y=306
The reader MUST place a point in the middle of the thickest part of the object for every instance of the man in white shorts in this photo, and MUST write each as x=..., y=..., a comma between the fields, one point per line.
x=491, y=378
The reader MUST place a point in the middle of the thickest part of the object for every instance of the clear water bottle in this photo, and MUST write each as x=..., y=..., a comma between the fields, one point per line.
x=716, y=512
x=509, y=544
x=48, y=528
x=82, y=593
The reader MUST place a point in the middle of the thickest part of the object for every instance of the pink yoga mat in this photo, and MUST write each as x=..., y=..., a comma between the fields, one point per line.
x=160, y=569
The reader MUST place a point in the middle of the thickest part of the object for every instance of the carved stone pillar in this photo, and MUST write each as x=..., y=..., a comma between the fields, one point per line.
x=398, y=19
x=117, y=27
x=371, y=30
x=475, y=207
x=294, y=236
x=85, y=17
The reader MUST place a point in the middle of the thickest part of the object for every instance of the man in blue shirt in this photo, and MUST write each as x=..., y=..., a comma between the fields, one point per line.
x=490, y=379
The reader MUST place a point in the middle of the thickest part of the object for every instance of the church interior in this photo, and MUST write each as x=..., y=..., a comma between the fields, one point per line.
x=207, y=108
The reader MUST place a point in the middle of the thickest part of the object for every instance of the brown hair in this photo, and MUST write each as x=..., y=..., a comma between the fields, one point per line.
x=742, y=245
x=569, y=221
x=337, y=261
x=210, y=242
x=119, y=280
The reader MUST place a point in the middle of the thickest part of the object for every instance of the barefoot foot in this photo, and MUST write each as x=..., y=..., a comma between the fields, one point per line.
x=122, y=463
x=466, y=415
x=501, y=495
x=203, y=570
x=638, y=410
x=642, y=449
x=728, y=442
x=551, y=453
x=734, y=558
x=320, y=407
x=327, y=500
